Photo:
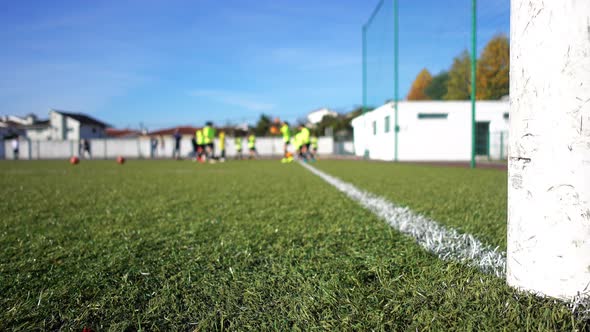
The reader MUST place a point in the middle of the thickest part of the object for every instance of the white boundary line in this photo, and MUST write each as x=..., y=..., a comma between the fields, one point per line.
x=446, y=243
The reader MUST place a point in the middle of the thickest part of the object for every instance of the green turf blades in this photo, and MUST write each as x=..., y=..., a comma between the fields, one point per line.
x=111, y=248
x=472, y=202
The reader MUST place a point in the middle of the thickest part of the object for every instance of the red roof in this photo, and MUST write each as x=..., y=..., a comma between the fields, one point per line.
x=183, y=130
x=112, y=132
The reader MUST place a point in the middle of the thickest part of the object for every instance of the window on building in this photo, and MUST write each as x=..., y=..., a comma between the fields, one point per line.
x=433, y=115
x=374, y=127
x=506, y=116
x=94, y=130
x=387, y=124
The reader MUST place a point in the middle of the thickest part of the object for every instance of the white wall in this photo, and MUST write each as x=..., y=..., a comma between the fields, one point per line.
x=57, y=126
x=140, y=147
x=39, y=133
x=72, y=129
x=439, y=139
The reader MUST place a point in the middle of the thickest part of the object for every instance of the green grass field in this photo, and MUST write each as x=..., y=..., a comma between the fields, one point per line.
x=164, y=245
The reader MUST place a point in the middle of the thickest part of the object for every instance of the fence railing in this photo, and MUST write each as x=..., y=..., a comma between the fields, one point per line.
x=493, y=147
x=142, y=148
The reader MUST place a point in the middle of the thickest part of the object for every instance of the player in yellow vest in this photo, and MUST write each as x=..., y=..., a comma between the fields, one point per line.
x=252, y=145
x=286, y=132
x=314, y=147
x=296, y=140
x=200, y=145
x=238, y=144
x=209, y=137
x=222, y=146
x=305, y=141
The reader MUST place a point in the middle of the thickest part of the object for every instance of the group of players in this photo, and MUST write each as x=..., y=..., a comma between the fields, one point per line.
x=204, y=148
x=305, y=145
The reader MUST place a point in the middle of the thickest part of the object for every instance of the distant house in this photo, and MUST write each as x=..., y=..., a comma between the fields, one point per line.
x=316, y=116
x=66, y=126
x=12, y=125
x=9, y=129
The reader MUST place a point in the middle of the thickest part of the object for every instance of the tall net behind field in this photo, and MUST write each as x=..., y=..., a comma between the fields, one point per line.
x=379, y=56
x=422, y=50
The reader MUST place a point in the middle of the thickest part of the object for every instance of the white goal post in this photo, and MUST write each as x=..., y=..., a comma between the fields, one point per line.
x=549, y=159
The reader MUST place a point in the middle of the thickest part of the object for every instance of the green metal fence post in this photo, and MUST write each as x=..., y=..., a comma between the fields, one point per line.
x=473, y=75
x=364, y=69
x=489, y=143
x=396, y=67
x=365, y=88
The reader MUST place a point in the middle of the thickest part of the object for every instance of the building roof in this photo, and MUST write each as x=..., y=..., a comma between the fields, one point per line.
x=37, y=125
x=189, y=130
x=9, y=123
x=183, y=130
x=120, y=133
x=83, y=118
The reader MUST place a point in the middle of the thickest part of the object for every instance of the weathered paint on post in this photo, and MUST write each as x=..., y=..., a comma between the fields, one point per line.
x=549, y=158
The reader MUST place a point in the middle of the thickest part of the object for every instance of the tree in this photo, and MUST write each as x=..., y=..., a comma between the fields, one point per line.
x=438, y=87
x=417, y=91
x=262, y=127
x=459, y=84
x=493, y=69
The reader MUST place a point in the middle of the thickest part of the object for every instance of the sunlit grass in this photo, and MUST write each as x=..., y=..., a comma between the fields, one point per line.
x=240, y=246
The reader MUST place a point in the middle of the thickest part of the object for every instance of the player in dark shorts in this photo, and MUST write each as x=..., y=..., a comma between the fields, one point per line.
x=252, y=145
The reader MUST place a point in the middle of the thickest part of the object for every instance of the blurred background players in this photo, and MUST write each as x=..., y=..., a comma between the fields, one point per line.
x=304, y=141
x=297, y=145
x=15, y=148
x=238, y=144
x=176, y=151
x=209, y=137
x=200, y=145
x=286, y=132
x=314, y=147
x=222, y=146
x=252, y=146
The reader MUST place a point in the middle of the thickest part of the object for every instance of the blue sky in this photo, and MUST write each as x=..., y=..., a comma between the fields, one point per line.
x=172, y=62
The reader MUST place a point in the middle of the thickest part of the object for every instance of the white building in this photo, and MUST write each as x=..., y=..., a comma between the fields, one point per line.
x=66, y=126
x=315, y=117
x=12, y=125
x=433, y=131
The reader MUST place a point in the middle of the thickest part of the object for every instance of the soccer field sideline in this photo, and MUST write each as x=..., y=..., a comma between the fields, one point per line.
x=249, y=254
x=446, y=243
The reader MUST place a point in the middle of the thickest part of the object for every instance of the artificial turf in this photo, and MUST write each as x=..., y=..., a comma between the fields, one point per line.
x=165, y=245
x=471, y=201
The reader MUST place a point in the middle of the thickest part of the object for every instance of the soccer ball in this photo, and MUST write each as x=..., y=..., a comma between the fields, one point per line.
x=120, y=160
x=74, y=160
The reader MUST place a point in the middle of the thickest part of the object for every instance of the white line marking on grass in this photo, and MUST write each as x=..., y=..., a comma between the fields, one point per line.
x=446, y=243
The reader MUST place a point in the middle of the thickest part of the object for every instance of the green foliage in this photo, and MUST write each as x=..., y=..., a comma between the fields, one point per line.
x=418, y=89
x=459, y=83
x=263, y=125
x=437, y=89
x=167, y=245
x=493, y=69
